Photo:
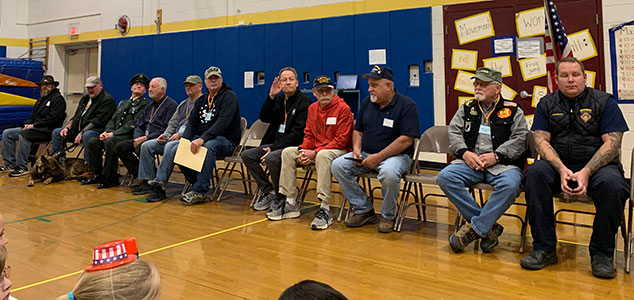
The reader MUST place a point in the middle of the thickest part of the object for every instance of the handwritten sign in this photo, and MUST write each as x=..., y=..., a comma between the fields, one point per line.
x=582, y=45
x=507, y=92
x=590, y=78
x=530, y=22
x=538, y=92
x=529, y=120
x=464, y=59
x=624, y=58
x=463, y=82
x=462, y=100
x=533, y=68
x=501, y=63
x=475, y=27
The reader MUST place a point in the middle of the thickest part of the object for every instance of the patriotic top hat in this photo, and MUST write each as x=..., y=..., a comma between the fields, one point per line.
x=113, y=254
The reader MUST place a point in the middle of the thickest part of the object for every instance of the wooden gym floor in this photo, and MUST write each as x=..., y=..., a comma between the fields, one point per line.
x=225, y=250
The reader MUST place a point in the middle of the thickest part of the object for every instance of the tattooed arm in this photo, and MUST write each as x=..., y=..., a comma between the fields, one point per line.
x=548, y=153
x=610, y=150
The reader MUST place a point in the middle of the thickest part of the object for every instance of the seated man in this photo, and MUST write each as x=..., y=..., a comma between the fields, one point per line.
x=150, y=125
x=488, y=136
x=93, y=113
x=119, y=128
x=175, y=128
x=215, y=124
x=382, y=142
x=578, y=132
x=48, y=113
x=327, y=136
x=286, y=115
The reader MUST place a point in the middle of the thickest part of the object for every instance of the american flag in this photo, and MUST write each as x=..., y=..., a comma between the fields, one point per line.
x=557, y=49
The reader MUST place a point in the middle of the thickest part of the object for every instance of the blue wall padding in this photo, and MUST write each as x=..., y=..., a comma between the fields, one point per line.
x=13, y=116
x=319, y=46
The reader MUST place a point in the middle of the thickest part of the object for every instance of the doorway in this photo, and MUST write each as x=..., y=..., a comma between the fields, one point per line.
x=81, y=61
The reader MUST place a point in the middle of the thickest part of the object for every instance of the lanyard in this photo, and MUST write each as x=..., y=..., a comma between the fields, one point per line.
x=210, y=102
x=156, y=109
x=486, y=118
x=285, y=112
x=187, y=109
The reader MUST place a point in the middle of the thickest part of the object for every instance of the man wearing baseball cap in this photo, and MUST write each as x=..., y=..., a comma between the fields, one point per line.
x=173, y=132
x=285, y=109
x=119, y=128
x=488, y=136
x=328, y=135
x=382, y=142
x=93, y=113
x=48, y=113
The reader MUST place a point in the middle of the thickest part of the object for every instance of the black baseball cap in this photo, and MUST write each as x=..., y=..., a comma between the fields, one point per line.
x=379, y=72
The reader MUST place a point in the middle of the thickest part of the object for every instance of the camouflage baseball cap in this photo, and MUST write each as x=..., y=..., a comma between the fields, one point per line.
x=488, y=75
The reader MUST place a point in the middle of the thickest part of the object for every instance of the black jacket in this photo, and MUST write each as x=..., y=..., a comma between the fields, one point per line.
x=272, y=112
x=48, y=113
x=224, y=120
x=98, y=114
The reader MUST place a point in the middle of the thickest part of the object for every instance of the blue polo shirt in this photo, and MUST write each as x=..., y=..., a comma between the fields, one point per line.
x=381, y=127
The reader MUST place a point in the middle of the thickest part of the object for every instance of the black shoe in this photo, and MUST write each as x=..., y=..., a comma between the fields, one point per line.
x=19, y=171
x=603, y=267
x=137, y=182
x=92, y=180
x=108, y=183
x=490, y=241
x=142, y=189
x=157, y=193
x=538, y=259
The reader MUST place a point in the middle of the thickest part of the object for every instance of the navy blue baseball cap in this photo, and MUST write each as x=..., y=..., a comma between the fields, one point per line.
x=379, y=72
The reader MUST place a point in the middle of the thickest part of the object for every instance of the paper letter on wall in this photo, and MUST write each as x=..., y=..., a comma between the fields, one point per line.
x=475, y=27
x=530, y=22
x=464, y=59
x=502, y=64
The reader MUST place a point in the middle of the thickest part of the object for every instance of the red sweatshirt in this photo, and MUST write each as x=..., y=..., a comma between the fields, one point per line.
x=329, y=127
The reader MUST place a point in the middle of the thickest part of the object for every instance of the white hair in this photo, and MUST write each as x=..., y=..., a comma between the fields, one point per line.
x=161, y=82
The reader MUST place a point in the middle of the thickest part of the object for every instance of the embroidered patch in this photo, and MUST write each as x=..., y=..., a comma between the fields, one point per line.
x=510, y=103
x=473, y=112
x=557, y=114
x=504, y=113
x=586, y=109
x=586, y=116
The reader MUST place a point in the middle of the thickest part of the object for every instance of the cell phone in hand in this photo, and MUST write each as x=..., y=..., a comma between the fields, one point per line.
x=573, y=184
x=354, y=159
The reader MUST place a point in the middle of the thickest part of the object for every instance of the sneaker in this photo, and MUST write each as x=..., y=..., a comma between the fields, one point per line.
x=323, y=219
x=490, y=241
x=137, y=182
x=358, y=220
x=465, y=236
x=538, y=259
x=191, y=198
x=157, y=193
x=17, y=172
x=603, y=267
x=276, y=210
x=264, y=202
x=5, y=169
x=385, y=225
x=142, y=189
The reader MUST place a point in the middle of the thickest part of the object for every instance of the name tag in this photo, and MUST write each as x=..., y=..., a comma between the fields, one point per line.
x=147, y=132
x=485, y=130
x=331, y=121
x=282, y=128
x=388, y=123
x=208, y=117
x=48, y=103
x=181, y=130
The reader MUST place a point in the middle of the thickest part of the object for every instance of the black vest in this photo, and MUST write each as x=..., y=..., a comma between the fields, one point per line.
x=501, y=121
x=575, y=128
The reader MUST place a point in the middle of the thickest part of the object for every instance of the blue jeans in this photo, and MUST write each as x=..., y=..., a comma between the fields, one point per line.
x=391, y=170
x=147, y=167
x=217, y=147
x=167, y=163
x=58, y=141
x=454, y=179
x=9, y=138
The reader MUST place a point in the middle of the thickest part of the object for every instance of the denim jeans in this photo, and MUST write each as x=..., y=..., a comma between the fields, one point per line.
x=391, y=170
x=167, y=163
x=454, y=179
x=217, y=147
x=147, y=166
x=58, y=141
x=9, y=138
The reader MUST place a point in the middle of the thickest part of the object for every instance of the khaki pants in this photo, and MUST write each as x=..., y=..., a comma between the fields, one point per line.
x=288, y=176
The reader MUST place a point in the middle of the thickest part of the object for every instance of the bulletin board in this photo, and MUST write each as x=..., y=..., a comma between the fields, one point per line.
x=622, y=61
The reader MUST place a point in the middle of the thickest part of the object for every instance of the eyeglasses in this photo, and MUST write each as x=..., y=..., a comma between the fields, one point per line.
x=6, y=273
x=482, y=84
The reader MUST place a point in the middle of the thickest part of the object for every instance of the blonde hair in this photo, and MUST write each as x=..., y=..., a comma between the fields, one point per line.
x=138, y=280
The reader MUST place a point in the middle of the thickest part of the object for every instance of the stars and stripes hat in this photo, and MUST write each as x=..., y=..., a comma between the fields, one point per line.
x=113, y=254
